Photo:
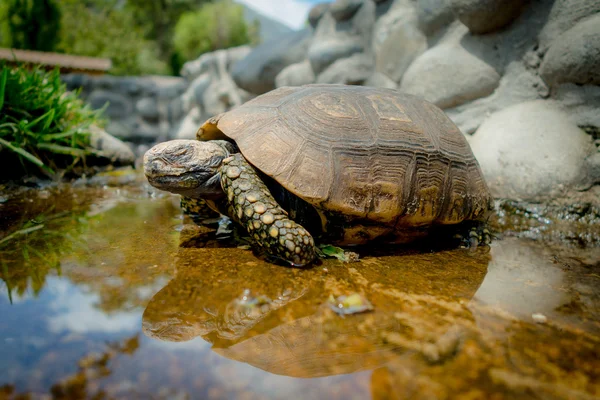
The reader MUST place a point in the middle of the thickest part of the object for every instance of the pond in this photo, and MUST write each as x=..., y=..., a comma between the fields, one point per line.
x=107, y=291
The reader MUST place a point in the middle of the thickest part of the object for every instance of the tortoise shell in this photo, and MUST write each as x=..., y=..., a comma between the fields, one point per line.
x=366, y=153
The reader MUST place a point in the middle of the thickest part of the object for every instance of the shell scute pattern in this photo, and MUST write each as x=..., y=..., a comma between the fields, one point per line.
x=361, y=152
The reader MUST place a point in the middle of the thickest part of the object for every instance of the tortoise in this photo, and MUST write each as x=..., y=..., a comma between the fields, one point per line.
x=348, y=164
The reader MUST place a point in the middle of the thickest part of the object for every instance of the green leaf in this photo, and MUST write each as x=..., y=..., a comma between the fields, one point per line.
x=23, y=153
x=3, y=80
x=333, y=251
x=55, y=148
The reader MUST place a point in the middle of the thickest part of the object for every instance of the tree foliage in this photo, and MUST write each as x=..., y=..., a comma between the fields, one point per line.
x=32, y=24
x=214, y=26
x=137, y=35
x=104, y=30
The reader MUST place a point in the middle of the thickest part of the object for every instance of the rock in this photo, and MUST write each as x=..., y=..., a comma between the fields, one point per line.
x=190, y=124
x=574, y=56
x=323, y=54
x=256, y=72
x=354, y=70
x=563, y=16
x=119, y=106
x=207, y=63
x=397, y=41
x=110, y=147
x=531, y=152
x=296, y=75
x=483, y=16
x=343, y=10
x=316, y=13
x=381, y=81
x=199, y=86
x=175, y=110
x=448, y=75
x=580, y=102
x=432, y=15
x=518, y=85
x=333, y=39
x=147, y=107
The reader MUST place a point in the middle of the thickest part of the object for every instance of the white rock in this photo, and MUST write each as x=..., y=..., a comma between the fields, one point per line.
x=190, y=124
x=296, y=75
x=448, y=75
x=531, y=151
x=575, y=56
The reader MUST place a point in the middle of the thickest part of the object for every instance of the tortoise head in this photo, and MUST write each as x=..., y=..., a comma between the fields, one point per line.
x=187, y=167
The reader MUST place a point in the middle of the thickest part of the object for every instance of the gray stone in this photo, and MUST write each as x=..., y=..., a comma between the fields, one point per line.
x=199, y=86
x=119, y=106
x=448, y=75
x=432, y=15
x=190, y=124
x=175, y=110
x=316, y=13
x=333, y=39
x=483, y=16
x=518, y=85
x=354, y=70
x=207, y=63
x=257, y=71
x=296, y=75
x=343, y=10
x=110, y=147
x=147, y=107
x=575, y=56
x=532, y=152
x=563, y=16
x=381, y=81
x=397, y=41
x=323, y=53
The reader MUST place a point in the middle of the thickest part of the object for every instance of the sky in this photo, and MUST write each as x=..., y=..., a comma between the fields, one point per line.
x=289, y=12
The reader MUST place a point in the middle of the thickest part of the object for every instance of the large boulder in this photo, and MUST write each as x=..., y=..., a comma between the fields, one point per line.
x=256, y=72
x=563, y=16
x=532, y=152
x=334, y=39
x=397, y=41
x=575, y=56
x=433, y=15
x=354, y=70
x=208, y=62
x=296, y=75
x=484, y=16
x=448, y=75
x=316, y=13
x=343, y=10
x=190, y=124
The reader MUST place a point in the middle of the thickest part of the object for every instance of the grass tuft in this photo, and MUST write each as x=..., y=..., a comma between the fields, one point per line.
x=44, y=129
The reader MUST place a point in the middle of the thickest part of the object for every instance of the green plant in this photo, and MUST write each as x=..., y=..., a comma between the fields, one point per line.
x=214, y=26
x=105, y=30
x=42, y=125
x=33, y=24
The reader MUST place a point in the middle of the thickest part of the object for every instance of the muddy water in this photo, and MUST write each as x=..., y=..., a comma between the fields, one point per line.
x=102, y=295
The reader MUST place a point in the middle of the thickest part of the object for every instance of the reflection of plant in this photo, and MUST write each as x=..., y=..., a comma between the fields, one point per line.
x=41, y=124
x=35, y=249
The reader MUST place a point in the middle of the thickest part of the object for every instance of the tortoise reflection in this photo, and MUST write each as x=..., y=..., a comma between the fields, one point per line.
x=278, y=319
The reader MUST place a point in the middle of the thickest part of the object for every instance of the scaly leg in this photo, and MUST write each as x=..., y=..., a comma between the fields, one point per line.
x=253, y=206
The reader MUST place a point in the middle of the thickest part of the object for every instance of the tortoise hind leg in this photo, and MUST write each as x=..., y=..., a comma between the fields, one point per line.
x=253, y=206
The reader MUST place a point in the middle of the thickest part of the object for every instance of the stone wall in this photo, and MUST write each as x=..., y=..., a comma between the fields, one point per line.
x=519, y=78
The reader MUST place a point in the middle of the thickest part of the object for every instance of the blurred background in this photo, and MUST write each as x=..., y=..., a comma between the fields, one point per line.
x=145, y=36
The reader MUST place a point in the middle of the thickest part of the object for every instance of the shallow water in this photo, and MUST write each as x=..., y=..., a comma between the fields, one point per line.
x=102, y=296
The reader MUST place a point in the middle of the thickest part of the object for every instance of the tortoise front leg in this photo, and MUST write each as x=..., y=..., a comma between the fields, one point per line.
x=253, y=206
